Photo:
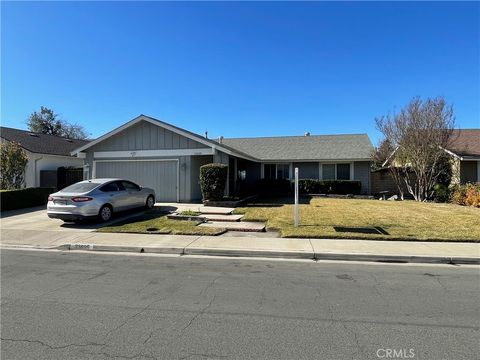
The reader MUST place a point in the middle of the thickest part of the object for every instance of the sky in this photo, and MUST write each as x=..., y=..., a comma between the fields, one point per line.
x=238, y=69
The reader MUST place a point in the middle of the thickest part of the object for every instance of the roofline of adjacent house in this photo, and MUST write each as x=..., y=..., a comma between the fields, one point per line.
x=292, y=136
x=36, y=152
x=211, y=143
x=39, y=133
x=311, y=160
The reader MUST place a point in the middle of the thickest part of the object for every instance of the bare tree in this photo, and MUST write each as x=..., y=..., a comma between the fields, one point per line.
x=419, y=133
x=381, y=157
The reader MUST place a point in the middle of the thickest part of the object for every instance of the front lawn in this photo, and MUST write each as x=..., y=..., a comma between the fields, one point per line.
x=157, y=223
x=369, y=219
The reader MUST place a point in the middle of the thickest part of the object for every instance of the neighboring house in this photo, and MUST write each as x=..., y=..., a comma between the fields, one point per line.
x=465, y=151
x=168, y=159
x=45, y=152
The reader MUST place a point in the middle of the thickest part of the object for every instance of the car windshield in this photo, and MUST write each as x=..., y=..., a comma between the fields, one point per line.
x=80, y=187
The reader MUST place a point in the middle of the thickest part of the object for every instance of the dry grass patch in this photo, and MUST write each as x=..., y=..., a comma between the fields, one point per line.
x=370, y=219
x=153, y=222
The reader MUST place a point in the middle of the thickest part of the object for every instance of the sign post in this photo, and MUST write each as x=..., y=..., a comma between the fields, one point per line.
x=296, y=197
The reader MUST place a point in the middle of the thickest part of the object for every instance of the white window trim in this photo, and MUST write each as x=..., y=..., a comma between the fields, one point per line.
x=320, y=169
x=151, y=153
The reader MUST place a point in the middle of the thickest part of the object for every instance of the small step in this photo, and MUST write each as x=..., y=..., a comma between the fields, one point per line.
x=220, y=217
x=236, y=226
x=215, y=210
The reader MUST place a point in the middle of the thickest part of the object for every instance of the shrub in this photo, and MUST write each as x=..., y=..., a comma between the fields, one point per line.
x=24, y=198
x=340, y=187
x=13, y=160
x=441, y=193
x=468, y=194
x=213, y=179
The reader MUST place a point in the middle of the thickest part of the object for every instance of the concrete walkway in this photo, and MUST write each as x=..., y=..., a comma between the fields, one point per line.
x=319, y=249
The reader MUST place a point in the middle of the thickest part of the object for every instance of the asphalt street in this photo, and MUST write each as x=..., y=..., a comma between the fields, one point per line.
x=70, y=305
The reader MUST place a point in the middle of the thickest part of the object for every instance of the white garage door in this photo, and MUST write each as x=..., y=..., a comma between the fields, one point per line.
x=158, y=175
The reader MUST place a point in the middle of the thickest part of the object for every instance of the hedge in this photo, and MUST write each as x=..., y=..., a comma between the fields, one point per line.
x=24, y=198
x=340, y=187
x=213, y=179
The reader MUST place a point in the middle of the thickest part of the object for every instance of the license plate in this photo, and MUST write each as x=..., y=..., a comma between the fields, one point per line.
x=60, y=202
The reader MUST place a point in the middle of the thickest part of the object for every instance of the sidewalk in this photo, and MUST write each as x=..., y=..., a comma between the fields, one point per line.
x=319, y=249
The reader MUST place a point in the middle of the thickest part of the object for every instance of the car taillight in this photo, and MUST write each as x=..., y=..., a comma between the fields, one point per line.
x=81, y=199
x=50, y=198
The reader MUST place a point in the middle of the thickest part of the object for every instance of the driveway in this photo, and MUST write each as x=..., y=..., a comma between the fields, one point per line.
x=37, y=219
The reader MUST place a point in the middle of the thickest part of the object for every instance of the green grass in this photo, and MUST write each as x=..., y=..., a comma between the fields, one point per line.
x=369, y=219
x=158, y=221
x=189, y=213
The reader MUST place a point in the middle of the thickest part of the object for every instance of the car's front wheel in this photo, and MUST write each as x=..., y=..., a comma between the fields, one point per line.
x=105, y=213
x=150, y=202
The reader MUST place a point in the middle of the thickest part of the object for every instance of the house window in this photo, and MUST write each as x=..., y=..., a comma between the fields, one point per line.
x=336, y=171
x=283, y=171
x=276, y=171
x=343, y=171
x=328, y=171
x=269, y=171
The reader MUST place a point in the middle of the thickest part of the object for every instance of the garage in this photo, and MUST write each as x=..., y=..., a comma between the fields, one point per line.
x=160, y=175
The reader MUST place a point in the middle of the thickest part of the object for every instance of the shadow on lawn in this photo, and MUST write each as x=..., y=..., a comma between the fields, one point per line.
x=362, y=230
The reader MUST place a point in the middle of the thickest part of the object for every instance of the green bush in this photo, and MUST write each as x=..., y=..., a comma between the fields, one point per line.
x=441, y=193
x=213, y=179
x=468, y=194
x=340, y=187
x=24, y=198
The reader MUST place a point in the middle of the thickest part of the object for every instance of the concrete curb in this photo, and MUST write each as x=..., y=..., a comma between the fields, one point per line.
x=278, y=254
x=263, y=253
x=398, y=258
x=249, y=253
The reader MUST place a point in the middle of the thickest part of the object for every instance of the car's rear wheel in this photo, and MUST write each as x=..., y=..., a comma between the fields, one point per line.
x=105, y=213
x=150, y=203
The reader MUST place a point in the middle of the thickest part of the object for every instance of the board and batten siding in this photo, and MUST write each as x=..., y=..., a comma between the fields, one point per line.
x=361, y=172
x=147, y=136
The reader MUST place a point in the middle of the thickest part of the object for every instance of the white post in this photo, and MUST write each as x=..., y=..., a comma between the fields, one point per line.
x=296, y=197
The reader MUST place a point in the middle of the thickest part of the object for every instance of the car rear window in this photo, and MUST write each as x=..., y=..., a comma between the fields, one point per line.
x=80, y=187
x=113, y=186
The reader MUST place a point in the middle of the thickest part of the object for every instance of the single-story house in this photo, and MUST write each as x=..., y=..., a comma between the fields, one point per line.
x=167, y=158
x=45, y=152
x=465, y=152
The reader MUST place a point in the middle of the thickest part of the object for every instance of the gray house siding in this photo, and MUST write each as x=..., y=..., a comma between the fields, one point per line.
x=146, y=136
x=220, y=158
x=361, y=172
x=468, y=172
x=307, y=170
x=147, y=143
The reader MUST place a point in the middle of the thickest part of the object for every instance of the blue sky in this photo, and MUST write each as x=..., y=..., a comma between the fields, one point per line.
x=238, y=69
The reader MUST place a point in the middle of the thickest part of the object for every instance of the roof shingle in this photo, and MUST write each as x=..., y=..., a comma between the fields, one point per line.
x=466, y=142
x=41, y=143
x=298, y=148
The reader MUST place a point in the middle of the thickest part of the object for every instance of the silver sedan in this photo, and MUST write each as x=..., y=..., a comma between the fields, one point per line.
x=98, y=198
